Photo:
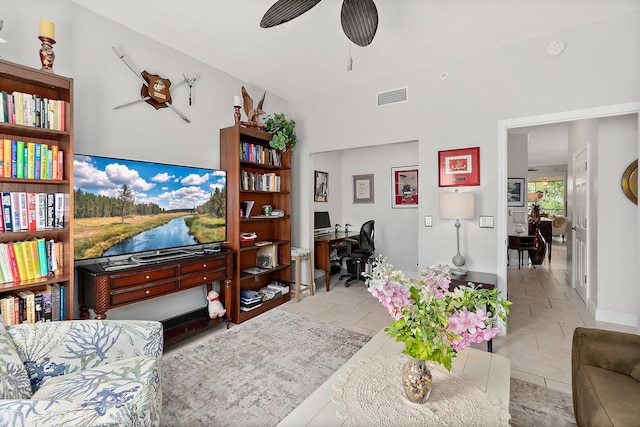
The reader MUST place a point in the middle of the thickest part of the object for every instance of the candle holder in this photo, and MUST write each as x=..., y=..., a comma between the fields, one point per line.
x=236, y=114
x=46, y=53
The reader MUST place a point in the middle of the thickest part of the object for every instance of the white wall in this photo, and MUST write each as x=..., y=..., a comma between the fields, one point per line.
x=617, y=228
x=517, y=168
x=102, y=81
x=513, y=81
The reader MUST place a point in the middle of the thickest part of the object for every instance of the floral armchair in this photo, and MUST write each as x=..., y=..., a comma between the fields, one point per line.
x=81, y=372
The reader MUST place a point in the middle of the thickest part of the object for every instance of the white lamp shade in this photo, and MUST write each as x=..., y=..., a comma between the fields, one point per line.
x=457, y=205
x=519, y=217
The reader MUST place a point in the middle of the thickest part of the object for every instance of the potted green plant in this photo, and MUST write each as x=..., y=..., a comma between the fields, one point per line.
x=282, y=130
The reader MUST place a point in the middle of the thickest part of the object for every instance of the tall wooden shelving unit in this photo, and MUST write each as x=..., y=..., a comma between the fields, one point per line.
x=15, y=77
x=274, y=229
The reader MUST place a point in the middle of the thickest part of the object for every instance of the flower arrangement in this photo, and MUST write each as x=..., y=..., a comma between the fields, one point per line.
x=433, y=322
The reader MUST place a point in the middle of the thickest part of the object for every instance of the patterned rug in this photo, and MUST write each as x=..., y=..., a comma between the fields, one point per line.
x=531, y=405
x=253, y=374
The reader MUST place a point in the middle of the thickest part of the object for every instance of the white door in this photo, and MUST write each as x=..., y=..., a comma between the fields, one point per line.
x=580, y=217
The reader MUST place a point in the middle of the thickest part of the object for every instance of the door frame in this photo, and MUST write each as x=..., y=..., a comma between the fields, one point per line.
x=544, y=119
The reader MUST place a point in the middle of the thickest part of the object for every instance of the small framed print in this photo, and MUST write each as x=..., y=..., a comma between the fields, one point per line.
x=362, y=188
x=404, y=181
x=515, y=192
x=321, y=187
x=459, y=167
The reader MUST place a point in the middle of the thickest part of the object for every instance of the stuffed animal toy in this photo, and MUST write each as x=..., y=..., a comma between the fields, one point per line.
x=215, y=306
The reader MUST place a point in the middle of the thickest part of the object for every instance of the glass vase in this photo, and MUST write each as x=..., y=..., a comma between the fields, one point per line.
x=416, y=380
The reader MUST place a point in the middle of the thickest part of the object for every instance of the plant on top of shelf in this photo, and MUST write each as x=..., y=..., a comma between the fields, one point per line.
x=282, y=131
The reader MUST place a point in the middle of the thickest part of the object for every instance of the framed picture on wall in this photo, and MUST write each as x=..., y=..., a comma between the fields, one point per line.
x=459, y=167
x=321, y=186
x=404, y=183
x=515, y=192
x=362, y=188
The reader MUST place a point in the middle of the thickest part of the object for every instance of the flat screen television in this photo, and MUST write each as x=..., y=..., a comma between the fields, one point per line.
x=144, y=209
x=321, y=222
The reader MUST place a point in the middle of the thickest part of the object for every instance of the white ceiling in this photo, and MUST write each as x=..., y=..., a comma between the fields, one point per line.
x=308, y=55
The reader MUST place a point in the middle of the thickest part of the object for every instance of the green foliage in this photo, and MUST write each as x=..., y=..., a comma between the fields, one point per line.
x=552, y=201
x=282, y=131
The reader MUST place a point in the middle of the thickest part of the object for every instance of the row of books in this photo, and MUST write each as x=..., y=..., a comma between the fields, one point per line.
x=32, y=110
x=31, y=160
x=26, y=211
x=30, y=259
x=256, y=153
x=259, y=181
x=35, y=306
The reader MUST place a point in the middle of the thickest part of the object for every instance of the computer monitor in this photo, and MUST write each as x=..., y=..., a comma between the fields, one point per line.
x=321, y=222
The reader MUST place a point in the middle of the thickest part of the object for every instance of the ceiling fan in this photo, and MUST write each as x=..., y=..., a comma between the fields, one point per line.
x=359, y=18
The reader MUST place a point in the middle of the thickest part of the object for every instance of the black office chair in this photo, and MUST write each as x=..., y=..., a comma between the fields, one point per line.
x=362, y=252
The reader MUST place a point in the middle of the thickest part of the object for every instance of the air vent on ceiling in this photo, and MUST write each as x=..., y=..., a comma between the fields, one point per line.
x=395, y=96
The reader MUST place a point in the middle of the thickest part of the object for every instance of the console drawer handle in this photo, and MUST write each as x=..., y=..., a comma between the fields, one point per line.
x=204, y=265
x=147, y=292
x=204, y=277
x=147, y=276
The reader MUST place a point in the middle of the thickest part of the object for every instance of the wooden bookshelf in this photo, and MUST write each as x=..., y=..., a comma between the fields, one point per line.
x=274, y=229
x=19, y=78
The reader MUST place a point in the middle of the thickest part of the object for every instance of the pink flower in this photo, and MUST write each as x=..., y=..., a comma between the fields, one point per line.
x=392, y=296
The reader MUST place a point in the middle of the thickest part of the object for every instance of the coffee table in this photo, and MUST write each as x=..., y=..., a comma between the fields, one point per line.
x=489, y=371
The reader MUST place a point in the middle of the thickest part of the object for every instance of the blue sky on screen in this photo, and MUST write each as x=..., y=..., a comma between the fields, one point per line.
x=169, y=186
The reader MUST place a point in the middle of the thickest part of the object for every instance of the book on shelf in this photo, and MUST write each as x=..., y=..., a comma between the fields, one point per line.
x=55, y=301
x=7, y=213
x=29, y=312
x=246, y=207
x=47, y=313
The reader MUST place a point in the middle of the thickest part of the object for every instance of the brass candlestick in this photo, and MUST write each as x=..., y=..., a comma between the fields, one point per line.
x=46, y=53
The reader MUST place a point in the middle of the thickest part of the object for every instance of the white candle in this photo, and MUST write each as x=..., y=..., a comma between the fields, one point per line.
x=237, y=101
x=47, y=29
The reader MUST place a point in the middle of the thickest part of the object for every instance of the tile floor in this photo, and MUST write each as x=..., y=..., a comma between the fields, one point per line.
x=544, y=313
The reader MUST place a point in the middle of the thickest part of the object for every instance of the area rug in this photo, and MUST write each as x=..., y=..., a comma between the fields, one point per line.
x=253, y=374
x=531, y=405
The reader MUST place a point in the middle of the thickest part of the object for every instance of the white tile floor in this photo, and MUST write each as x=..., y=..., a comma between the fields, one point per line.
x=544, y=313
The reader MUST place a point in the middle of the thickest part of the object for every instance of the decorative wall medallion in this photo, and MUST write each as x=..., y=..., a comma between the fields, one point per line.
x=629, y=182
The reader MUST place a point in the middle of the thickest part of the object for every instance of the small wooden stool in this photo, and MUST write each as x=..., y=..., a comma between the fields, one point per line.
x=298, y=255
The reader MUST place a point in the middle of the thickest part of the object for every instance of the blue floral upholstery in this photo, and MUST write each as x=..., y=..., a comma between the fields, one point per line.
x=86, y=372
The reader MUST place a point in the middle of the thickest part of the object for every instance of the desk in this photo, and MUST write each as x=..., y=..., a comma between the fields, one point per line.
x=323, y=245
x=522, y=244
x=489, y=371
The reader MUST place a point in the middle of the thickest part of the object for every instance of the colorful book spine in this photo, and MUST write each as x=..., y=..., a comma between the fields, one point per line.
x=35, y=256
x=19, y=255
x=31, y=212
x=37, y=156
x=19, y=159
x=7, y=214
x=13, y=262
x=7, y=157
x=42, y=256
x=31, y=160
x=4, y=263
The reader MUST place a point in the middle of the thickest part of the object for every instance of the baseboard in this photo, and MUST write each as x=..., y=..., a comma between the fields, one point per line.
x=617, y=317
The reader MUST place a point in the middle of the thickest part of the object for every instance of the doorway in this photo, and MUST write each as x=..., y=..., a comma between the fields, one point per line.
x=504, y=127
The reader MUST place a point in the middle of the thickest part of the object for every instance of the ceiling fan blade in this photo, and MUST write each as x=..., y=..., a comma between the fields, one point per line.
x=285, y=10
x=359, y=20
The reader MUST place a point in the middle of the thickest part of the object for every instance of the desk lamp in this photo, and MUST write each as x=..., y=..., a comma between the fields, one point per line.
x=457, y=206
x=519, y=217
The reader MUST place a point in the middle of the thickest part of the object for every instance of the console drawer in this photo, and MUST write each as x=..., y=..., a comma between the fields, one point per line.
x=122, y=280
x=129, y=295
x=211, y=264
x=202, y=278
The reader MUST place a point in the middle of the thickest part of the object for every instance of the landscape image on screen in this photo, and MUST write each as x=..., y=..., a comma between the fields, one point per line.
x=126, y=206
